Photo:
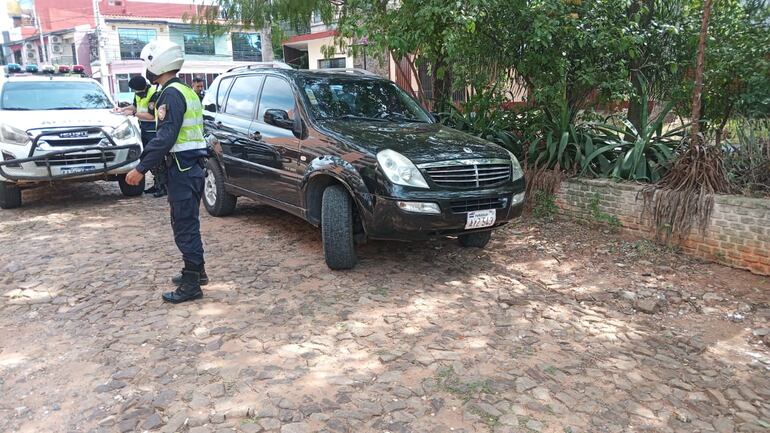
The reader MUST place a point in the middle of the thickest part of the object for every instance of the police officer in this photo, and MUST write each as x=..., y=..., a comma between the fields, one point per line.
x=145, y=97
x=198, y=87
x=178, y=140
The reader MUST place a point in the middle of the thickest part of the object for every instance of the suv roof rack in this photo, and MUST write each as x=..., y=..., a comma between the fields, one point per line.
x=351, y=70
x=258, y=65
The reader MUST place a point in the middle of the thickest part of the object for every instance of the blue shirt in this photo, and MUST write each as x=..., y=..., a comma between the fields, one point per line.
x=168, y=131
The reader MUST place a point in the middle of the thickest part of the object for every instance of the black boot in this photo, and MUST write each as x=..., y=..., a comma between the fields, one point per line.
x=189, y=289
x=160, y=192
x=151, y=190
x=204, y=278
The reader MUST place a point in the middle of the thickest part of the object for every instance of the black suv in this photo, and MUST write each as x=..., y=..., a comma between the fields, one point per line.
x=354, y=154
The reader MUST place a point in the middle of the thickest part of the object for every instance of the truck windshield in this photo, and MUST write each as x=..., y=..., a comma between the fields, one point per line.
x=53, y=95
x=356, y=99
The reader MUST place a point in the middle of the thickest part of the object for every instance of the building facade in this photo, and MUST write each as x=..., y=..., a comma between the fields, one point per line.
x=125, y=27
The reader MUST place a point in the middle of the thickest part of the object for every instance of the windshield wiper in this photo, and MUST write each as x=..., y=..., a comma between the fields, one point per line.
x=65, y=108
x=354, y=117
x=402, y=118
x=16, y=108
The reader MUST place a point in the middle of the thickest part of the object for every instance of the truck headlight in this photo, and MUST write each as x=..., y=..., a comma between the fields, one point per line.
x=12, y=135
x=516, y=171
x=400, y=170
x=124, y=131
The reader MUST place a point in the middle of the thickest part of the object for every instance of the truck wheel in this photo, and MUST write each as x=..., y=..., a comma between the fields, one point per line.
x=130, y=190
x=337, y=228
x=217, y=201
x=475, y=240
x=10, y=196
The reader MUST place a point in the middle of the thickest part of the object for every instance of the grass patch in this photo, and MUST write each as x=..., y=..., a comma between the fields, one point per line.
x=450, y=382
x=382, y=291
x=601, y=217
x=489, y=420
x=544, y=205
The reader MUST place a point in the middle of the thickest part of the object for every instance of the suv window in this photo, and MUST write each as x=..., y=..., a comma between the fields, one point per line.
x=351, y=98
x=224, y=84
x=243, y=96
x=277, y=94
x=53, y=95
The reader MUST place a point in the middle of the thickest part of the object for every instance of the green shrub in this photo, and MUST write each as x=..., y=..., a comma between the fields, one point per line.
x=544, y=205
x=747, y=157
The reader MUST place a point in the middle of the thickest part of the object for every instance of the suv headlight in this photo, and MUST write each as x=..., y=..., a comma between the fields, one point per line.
x=400, y=170
x=12, y=135
x=516, y=171
x=124, y=131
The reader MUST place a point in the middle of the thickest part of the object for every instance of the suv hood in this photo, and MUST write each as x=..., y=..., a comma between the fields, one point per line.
x=45, y=119
x=420, y=142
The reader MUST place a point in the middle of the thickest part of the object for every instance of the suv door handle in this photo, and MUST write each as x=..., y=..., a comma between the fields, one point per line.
x=256, y=135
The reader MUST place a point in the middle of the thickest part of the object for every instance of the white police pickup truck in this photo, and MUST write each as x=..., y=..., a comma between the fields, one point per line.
x=62, y=128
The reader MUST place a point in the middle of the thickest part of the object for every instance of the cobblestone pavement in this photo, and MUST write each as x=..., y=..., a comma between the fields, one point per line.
x=554, y=328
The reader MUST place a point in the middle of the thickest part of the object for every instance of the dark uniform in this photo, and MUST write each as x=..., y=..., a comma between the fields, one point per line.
x=147, y=128
x=185, y=174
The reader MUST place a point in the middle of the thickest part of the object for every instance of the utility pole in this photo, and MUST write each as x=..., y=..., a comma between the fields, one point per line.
x=100, y=45
x=43, y=50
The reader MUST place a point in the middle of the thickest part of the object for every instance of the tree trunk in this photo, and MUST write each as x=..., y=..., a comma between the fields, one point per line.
x=697, y=92
x=636, y=106
x=442, y=86
x=267, y=43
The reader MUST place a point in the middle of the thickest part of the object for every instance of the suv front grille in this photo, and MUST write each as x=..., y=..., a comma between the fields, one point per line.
x=476, y=174
x=78, y=158
x=74, y=141
x=465, y=206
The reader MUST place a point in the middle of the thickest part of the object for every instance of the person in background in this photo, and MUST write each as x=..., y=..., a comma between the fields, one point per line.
x=145, y=97
x=199, y=87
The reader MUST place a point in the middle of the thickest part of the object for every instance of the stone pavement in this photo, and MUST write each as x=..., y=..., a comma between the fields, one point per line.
x=554, y=328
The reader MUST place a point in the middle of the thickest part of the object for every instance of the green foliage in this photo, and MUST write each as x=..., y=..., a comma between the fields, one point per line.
x=625, y=152
x=738, y=62
x=544, y=205
x=747, y=156
x=601, y=217
x=481, y=116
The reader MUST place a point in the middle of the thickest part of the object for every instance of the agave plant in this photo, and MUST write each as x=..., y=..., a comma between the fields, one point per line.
x=625, y=152
x=483, y=117
x=561, y=144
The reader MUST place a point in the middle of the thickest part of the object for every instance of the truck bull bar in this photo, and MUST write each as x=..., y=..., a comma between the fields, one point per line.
x=134, y=151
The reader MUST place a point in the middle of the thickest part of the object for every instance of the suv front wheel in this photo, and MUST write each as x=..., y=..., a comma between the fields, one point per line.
x=337, y=228
x=10, y=196
x=477, y=240
x=217, y=200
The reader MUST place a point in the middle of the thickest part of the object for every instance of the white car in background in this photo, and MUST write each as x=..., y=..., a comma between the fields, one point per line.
x=61, y=128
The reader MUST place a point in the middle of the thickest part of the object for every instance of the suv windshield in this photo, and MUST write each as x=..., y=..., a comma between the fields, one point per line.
x=53, y=95
x=356, y=99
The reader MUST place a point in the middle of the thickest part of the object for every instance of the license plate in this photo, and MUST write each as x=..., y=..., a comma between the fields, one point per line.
x=480, y=219
x=74, y=170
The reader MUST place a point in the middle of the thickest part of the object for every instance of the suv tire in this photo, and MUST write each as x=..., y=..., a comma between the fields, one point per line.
x=216, y=199
x=337, y=228
x=475, y=240
x=130, y=190
x=10, y=196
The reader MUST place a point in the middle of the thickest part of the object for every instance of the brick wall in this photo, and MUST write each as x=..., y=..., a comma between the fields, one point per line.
x=738, y=234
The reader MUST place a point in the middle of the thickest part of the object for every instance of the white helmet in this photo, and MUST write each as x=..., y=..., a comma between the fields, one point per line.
x=162, y=56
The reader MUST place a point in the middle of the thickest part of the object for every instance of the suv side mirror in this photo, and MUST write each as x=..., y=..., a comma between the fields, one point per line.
x=279, y=118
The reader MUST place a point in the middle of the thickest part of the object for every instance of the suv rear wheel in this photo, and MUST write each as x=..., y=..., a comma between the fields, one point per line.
x=218, y=202
x=10, y=196
x=476, y=240
x=130, y=190
x=337, y=228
